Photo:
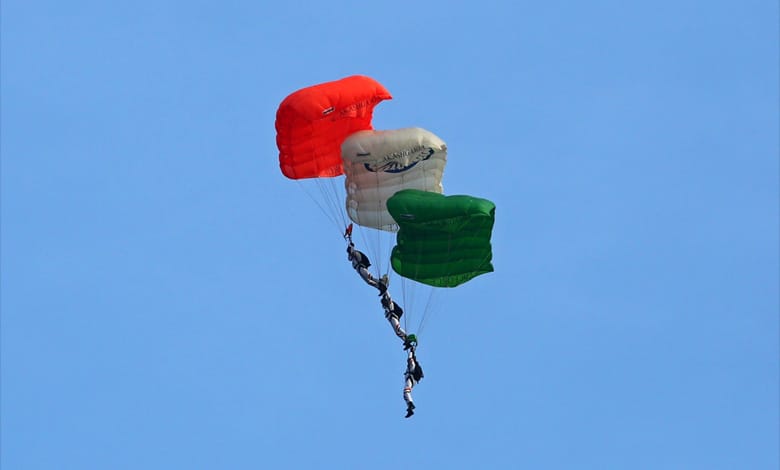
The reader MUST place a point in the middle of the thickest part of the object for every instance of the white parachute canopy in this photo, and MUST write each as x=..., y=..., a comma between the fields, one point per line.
x=377, y=164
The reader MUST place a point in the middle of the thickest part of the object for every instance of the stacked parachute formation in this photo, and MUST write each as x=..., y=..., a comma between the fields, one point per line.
x=392, y=189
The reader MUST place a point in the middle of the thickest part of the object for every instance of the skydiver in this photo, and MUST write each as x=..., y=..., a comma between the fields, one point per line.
x=412, y=376
x=393, y=313
x=361, y=263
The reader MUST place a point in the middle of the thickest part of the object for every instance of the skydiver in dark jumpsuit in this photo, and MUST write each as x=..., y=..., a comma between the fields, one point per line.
x=413, y=374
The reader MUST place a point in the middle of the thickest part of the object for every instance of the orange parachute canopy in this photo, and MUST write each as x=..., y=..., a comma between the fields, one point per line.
x=312, y=122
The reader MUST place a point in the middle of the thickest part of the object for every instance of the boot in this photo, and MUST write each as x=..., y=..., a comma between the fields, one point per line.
x=409, y=410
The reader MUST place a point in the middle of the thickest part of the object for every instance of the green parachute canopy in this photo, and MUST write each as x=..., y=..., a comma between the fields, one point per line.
x=442, y=241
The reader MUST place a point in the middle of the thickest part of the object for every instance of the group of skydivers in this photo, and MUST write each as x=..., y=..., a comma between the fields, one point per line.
x=393, y=313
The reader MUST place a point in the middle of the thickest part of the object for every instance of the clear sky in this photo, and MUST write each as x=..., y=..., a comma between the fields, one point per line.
x=170, y=300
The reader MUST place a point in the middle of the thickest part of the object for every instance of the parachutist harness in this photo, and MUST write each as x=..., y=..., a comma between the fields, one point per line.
x=415, y=373
x=391, y=308
x=358, y=258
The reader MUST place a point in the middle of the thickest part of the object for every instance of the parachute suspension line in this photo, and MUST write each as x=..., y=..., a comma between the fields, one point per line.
x=322, y=208
x=375, y=239
x=429, y=297
x=369, y=248
x=333, y=192
x=406, y=288
x=385, y=239
x=408, y=296
x=428, y=312
x=328, y=195
x=427, y=307
x=412, y=294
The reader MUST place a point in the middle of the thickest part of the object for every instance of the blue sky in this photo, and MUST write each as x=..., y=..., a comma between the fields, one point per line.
x=170, y=300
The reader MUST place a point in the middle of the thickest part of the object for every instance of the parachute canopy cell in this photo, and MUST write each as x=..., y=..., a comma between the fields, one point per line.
x=312, y=122
x=442, y=241
x=377, y=164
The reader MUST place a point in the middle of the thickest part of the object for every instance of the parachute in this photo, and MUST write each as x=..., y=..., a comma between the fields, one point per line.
x=443, y=241
x=392, y=189
x=312, y=122
x=377, y=164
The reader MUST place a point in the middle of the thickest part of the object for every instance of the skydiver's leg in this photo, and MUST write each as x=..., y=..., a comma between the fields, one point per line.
x=381, y=285
x=408, y=386
x=367, y=276
x=396, y=325
x=408, y=396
